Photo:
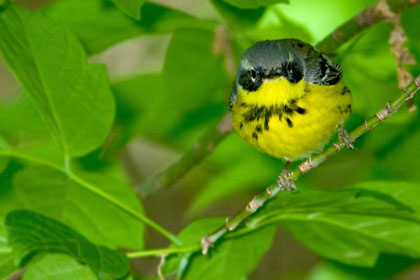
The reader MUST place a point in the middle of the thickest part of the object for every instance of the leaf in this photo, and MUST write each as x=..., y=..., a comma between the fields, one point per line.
x=6, y=260
x=30, y=234
x=386, y=267
x=253, y=4
x=130, y=7
x=352, y=226
x=72, y=96
x=236, y=16
x=52, y=193
x=99, y=24
x=57, y=266
x=222, y=260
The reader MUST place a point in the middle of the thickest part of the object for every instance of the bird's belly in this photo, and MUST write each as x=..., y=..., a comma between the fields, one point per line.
x=296, y=135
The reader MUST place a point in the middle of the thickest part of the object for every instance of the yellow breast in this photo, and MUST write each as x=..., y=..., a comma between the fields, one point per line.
x=290, y=121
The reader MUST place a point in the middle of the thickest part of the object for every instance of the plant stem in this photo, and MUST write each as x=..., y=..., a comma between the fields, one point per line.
x=382, y=10
x=95, y=190
x=165, y=251
x=259, y=200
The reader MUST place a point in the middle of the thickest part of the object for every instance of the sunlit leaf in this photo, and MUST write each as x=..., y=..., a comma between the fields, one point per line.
x=57, y=266
x=72, y=96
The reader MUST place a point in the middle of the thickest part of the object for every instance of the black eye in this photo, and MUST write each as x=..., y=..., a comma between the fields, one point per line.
x=253, y=74
x=250, y=79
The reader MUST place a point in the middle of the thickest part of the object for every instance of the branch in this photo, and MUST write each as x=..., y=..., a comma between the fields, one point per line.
x=259, y=200
x=382, y=10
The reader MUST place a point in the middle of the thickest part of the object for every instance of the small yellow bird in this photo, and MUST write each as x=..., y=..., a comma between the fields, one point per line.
x=288, y=98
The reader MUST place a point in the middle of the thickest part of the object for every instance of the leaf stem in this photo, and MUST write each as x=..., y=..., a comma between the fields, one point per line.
x=97, y=191
x=259, y=200
x=165, y=251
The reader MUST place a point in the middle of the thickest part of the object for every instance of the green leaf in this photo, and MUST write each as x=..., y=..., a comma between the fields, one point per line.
x=99, y=24
x=386, y=267
x=52, y=193
x=130, y=7
x=72, y=96
x=57, y=266
x=352, y=226
x=30, y=234
x=222, y=261
x=6, y=258
x=253, y=4
x=238, y=17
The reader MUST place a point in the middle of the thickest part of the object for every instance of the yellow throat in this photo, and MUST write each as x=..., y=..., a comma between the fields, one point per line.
x=290, y=120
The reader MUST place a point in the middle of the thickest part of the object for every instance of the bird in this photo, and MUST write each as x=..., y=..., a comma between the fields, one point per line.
x=288, y=98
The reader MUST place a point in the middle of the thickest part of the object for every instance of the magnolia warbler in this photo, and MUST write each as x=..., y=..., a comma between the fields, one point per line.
x=288, y=98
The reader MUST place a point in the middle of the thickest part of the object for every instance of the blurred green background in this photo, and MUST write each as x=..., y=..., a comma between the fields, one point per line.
x=171, y=77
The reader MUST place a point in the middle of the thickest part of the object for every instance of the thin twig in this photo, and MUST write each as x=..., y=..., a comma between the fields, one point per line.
x=382, y=10
x=312, y=162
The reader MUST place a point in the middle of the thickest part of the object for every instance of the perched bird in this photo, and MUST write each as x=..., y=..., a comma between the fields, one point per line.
x=288, y=98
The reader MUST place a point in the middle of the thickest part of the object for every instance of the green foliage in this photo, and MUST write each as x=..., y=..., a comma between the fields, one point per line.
x=52, y=68
x=51, y=267
x=30, y=234
x=99, y=25
x=73, y=145
x=222, y=262
x=376, y=216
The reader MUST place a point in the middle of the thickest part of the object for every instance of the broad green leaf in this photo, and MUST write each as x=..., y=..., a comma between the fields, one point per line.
x=52, y=193
x=352, y=226
x=130, y=7
x=253, y=4
x=99, y=24
x=231, y=258
x=72, y=96
x=30, y=234
x=57, y=266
